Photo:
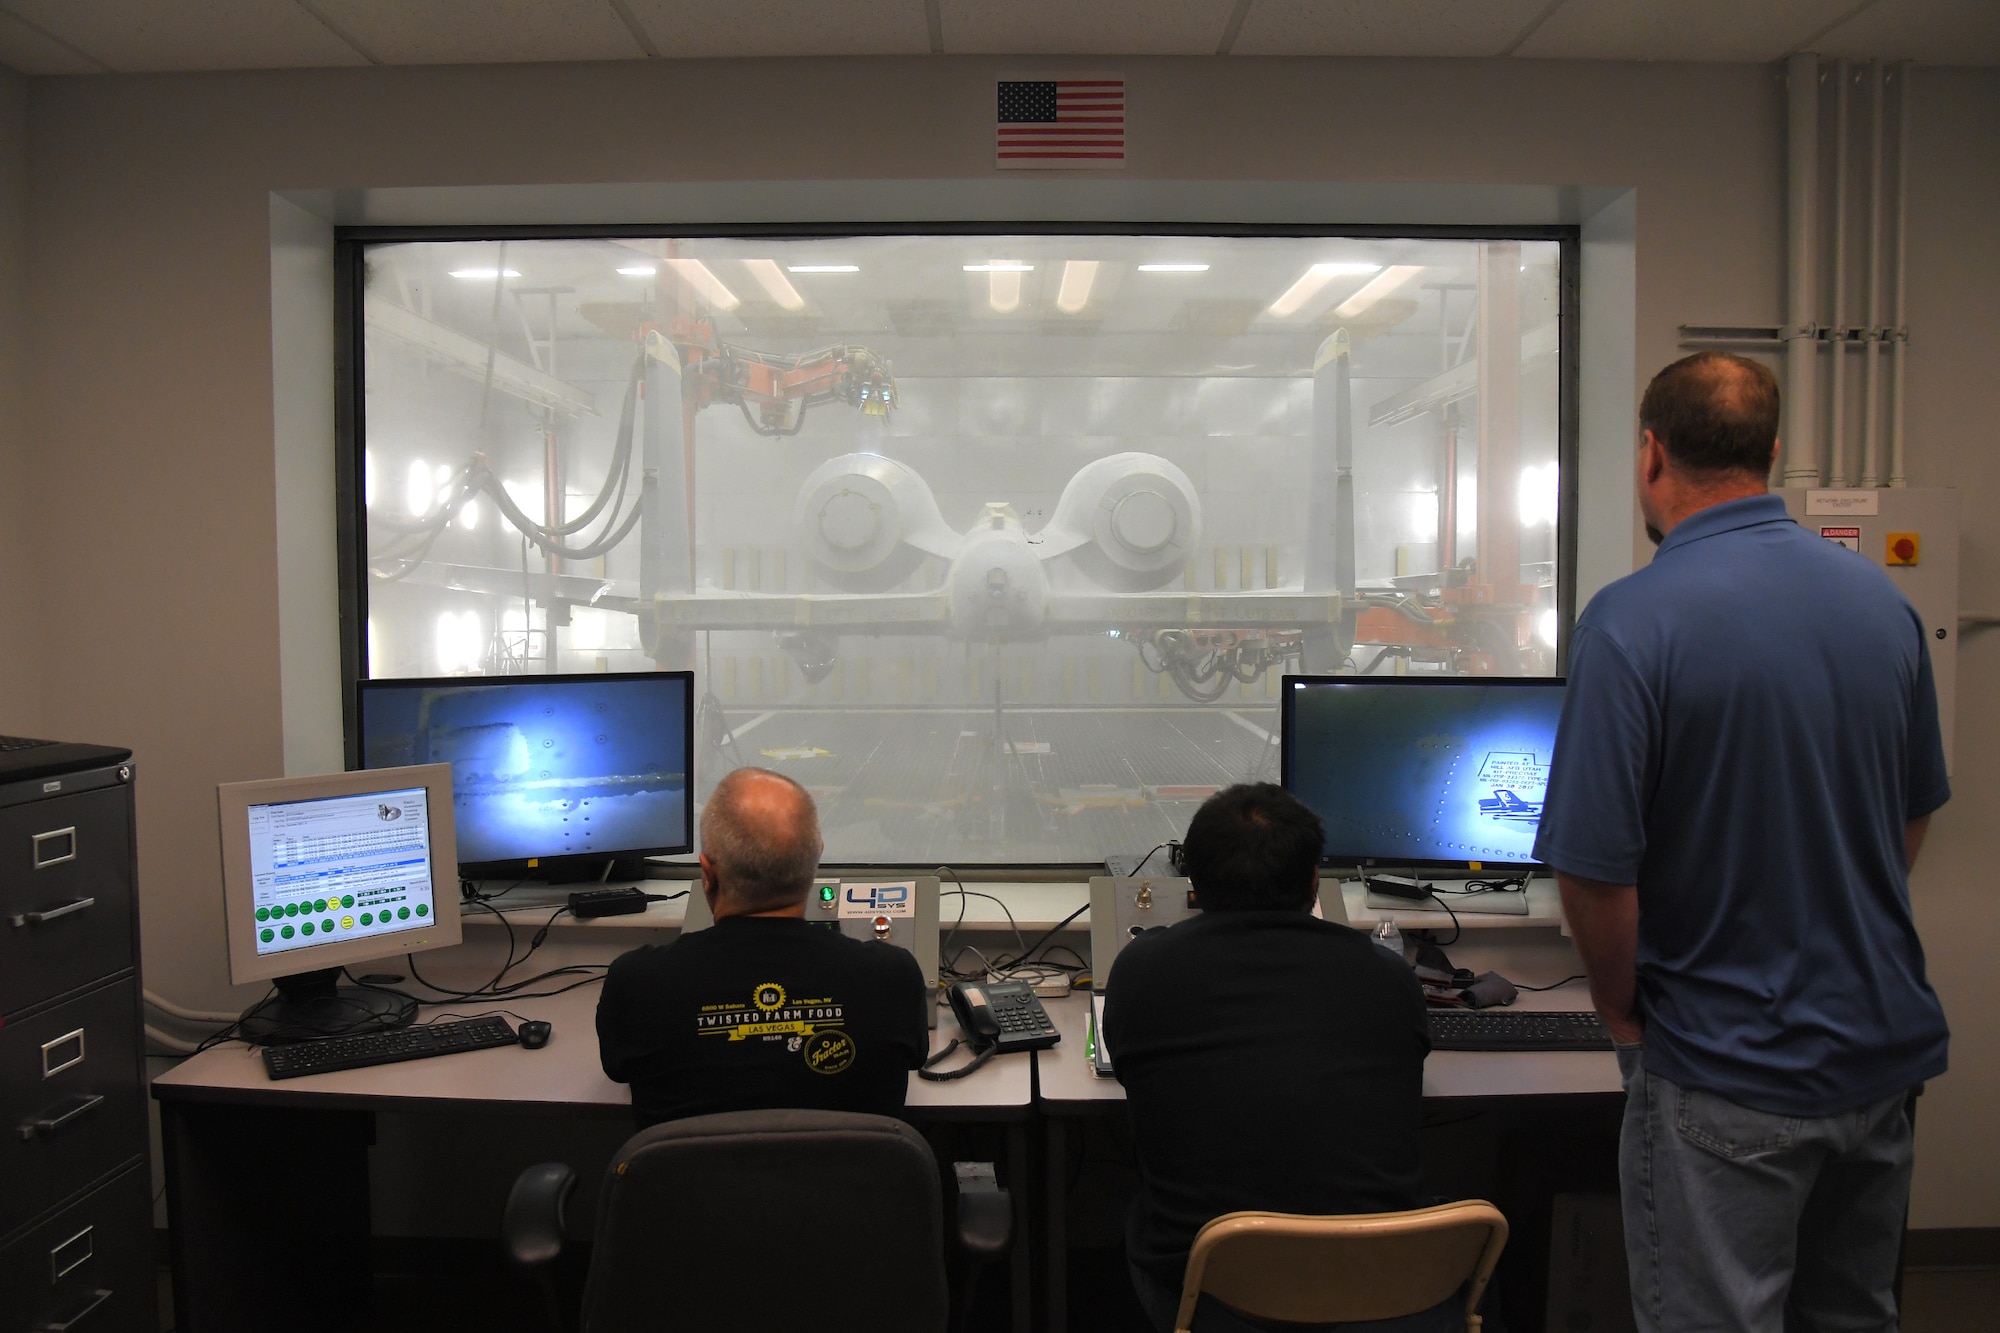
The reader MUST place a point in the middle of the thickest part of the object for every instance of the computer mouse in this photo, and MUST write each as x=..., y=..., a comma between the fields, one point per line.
x=535, y=1033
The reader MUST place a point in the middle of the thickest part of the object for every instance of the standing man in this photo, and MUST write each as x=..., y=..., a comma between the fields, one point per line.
x=764, y=1008
x=1748, y=756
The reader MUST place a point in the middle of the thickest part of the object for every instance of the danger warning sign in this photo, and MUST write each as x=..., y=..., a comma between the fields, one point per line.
x=1848, y=537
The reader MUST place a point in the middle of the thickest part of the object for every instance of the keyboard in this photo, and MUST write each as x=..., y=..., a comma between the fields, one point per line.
x=327, y=1054
x=21, y=743
x=1516, y=1030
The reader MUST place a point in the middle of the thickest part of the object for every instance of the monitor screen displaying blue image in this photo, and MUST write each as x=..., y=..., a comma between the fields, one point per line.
x=546, y=768
x=1422, y=771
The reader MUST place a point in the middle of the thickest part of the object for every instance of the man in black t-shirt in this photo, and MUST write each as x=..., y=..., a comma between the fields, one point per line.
x=1271, y=1060
x=763, y=1009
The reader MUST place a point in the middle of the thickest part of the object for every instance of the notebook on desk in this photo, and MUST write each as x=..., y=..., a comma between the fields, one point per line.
x=1100, y=1054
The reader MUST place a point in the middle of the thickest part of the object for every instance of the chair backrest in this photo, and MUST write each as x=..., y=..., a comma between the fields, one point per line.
x=822, y=1220
x=1326, y=1270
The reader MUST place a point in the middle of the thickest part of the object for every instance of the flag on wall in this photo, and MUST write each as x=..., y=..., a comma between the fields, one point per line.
x=1067, y=122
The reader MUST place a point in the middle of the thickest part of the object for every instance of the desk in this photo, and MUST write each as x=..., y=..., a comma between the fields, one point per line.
x=1067, y=1086
x=267, y=1183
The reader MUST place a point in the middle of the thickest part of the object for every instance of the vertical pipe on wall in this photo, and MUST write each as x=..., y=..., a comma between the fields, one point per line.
x=1901, y=335
x=1871, y=396
x=1836, y=469
x=1801, y=455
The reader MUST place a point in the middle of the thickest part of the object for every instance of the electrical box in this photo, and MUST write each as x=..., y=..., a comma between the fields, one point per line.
x=1912, y=533
x=1122, y=908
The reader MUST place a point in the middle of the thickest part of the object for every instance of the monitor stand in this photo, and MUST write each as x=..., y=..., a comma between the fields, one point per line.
x=310, y=1005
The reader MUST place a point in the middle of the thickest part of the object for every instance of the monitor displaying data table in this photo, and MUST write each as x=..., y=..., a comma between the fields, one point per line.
x=1422, y=770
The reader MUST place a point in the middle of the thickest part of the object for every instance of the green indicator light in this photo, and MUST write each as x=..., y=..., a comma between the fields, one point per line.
x=403, y=913
x=347, y=900
x=320, y=906
x=306, y=929
x=291, y=909
x=266, y=935
x=286, y=932
x=326, y=926
x=367, y=918
x=826, y=893
x=423, y=909
x=263, y=914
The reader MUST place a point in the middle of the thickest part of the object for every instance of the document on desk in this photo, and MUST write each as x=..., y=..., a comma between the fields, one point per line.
x=1100, y=1054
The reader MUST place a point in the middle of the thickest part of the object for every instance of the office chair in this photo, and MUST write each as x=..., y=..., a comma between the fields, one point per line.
x=1329, y=1270
x=821, y=1220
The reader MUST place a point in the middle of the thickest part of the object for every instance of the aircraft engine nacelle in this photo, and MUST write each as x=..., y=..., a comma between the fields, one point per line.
x=1129, y=522
x=868, y=521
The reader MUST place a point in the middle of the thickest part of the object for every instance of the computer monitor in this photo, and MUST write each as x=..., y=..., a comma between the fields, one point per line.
x=319, y=873
x=553, y=777
x=1431, y=771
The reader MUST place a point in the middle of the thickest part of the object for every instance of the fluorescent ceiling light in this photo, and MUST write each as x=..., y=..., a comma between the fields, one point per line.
x=698, y=277
x=1074, y=294
x=1314, y=278
x=1383, y=283
x=487, y=273
x=1000, y=266
x=822, y=268
x=772, y=279
x=638, y=271
x=1173, y=268
x=1003, y=288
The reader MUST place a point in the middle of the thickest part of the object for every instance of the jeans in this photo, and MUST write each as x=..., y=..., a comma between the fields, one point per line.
x=1162, y=1302
x=1741, y=1221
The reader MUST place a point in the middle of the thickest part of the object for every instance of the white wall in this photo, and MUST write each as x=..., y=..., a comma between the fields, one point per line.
x=152, y=410
x=20, y=677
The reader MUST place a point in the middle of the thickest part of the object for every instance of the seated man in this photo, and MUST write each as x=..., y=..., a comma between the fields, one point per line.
x=1271, y=1060
x=763, y=1009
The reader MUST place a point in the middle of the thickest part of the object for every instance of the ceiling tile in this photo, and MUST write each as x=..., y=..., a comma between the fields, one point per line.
x=27, y=51
x=1084, y=27
x=680, y=28
x=1371, y=28
x=1936, y=32
x=452, y=32
x=1680, y=29
x=132, y=35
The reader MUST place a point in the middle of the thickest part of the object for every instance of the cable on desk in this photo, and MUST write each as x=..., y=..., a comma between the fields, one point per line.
x=932, y=1075
x=1553, y=985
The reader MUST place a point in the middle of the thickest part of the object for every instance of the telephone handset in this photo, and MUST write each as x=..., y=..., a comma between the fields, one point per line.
x=1005, y=1015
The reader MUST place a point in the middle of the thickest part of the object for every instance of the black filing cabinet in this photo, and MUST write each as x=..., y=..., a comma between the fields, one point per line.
x=76, y=1215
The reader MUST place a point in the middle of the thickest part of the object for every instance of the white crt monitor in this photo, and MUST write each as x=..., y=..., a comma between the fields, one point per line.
x=320, y=873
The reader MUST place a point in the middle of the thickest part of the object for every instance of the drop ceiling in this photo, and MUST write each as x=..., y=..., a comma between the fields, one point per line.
x=49, y=37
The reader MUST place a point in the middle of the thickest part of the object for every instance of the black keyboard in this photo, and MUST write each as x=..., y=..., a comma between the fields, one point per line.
x=385, y=1048
x=21, y=743
x=1516, y=1030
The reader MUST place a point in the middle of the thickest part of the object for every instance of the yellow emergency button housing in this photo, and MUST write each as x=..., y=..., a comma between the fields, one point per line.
x=1902, y=548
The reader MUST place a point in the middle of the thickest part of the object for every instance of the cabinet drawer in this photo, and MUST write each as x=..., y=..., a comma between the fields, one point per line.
x=88, y=1268
x=65, y=894
x=71, y=1104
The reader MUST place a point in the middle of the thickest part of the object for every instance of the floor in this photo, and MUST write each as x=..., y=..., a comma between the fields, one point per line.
x=1938, y=1300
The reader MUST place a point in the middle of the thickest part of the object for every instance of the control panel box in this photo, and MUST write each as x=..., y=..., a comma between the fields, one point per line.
x=902, y=912
x=1912, y=534
x=1124, y=908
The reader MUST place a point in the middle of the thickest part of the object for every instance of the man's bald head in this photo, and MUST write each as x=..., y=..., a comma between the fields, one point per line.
x=1715, y=414
x=760, y=833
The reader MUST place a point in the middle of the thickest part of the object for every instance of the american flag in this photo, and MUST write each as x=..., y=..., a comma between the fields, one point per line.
x=1061, y=123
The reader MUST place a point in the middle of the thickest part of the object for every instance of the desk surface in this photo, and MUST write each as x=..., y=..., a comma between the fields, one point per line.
x=1067, y=1083
x=564, y=1075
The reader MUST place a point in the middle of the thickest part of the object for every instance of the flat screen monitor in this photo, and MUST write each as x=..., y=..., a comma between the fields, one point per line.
x=320, y=873
x=552, y=776
x=1444, y=771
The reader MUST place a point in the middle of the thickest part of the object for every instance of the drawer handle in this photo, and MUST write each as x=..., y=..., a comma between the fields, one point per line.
x=55, y=847
x=53, y=913
x=48, y=1125
x=97, y=1298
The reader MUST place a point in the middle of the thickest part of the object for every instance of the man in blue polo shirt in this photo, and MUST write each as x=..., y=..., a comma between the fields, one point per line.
x=1747, y=760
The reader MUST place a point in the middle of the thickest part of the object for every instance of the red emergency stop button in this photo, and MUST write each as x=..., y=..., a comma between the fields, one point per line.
x=1903, y=548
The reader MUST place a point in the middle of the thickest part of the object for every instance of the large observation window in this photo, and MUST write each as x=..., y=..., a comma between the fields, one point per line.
x=997, y=543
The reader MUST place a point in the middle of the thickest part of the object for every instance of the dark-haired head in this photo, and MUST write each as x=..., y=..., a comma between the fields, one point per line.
x=1253, y=846
x=1715, y=414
